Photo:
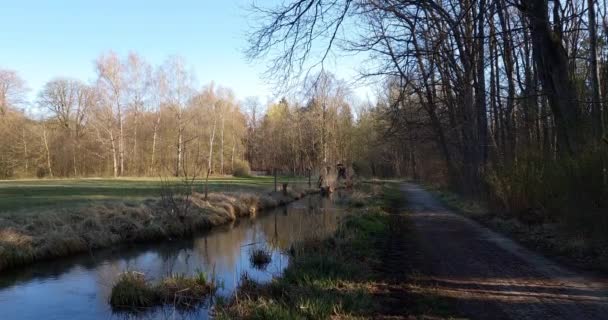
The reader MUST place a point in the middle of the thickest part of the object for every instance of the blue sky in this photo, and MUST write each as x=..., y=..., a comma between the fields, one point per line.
x=46, y=39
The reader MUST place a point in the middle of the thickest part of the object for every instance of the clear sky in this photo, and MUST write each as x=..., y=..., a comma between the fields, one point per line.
x=45, y=39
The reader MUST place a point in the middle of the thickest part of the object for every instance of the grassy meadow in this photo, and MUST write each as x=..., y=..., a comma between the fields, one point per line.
x=16, y=195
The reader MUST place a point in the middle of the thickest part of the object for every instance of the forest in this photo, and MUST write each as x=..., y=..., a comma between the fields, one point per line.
x=500, y=100
x=139, y=120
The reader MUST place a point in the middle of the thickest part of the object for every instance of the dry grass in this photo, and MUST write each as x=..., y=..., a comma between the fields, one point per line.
x=184, y=292
x=26, y=237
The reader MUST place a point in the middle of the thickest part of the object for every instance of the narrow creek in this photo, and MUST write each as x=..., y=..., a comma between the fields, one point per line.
x=79, y=287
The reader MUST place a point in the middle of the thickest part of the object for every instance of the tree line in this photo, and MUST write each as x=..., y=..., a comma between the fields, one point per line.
x=136, y=119
x=133, y=120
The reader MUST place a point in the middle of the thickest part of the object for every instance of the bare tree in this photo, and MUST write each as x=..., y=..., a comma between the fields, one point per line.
x=179, y=92
x=138, y=78
x=110, y=83
x=68, y=101
x=12, y=90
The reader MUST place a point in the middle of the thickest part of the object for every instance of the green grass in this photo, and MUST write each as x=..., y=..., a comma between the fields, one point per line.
x=28, y=194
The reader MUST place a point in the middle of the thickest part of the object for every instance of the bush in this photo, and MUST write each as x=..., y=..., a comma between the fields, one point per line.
x=241, y=169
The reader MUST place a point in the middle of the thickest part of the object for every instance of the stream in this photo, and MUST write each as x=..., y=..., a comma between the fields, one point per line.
x=78, y=287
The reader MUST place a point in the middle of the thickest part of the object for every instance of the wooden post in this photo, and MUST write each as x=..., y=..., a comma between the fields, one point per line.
x=275, y=180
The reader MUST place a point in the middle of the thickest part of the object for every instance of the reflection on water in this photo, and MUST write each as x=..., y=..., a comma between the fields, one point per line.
x=79, y=287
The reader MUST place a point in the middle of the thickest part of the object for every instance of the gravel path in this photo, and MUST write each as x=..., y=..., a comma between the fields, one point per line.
x=488, y=276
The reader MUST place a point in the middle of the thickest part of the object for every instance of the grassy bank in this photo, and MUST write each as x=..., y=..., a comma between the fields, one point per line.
x=565, y=242
x=31, y=235
x=325, y=278
x=356, y=274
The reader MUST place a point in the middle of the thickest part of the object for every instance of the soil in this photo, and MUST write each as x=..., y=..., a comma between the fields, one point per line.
x=440, y=264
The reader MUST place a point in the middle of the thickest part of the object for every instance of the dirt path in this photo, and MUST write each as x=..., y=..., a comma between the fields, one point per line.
x=487, y=276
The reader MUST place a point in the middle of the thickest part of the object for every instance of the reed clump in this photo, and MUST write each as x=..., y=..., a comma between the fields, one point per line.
x=183, y=291
x=133, y=291
x=260, y=257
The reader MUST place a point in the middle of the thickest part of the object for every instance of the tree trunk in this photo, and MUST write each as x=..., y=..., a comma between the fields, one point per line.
x=47, y=151
x=114, y=154
x=233, y=151
x=121, y=142
x=25, y=152
x=135, y=167
x=154, y=141
x=222, y=147
x=480, y=94
x=508, y=124
x=178, y=166
x=211, y=140
x=552, y=66
x=596, y=107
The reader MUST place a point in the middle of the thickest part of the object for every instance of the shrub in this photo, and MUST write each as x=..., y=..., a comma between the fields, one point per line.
x=241, y=169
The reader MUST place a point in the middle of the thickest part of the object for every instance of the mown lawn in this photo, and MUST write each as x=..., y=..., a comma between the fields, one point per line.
x=30, y=194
